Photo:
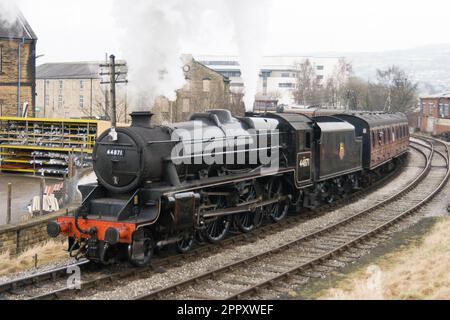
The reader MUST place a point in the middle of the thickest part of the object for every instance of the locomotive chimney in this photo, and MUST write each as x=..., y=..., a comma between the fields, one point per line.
x=141, y=119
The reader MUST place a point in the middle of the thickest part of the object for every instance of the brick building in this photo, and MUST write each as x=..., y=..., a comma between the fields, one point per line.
x=435, y=114
x=17, y=66
x=205, y=89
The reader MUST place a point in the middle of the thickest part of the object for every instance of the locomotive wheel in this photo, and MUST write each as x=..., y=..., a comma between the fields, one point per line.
x=247, y=222
x=277, y=211
x=141, y=251
x=185, y=244
x=217, y=230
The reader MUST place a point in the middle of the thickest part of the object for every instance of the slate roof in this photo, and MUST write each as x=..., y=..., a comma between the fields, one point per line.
x=16, y=30
x=439, y=95
x=72, y=70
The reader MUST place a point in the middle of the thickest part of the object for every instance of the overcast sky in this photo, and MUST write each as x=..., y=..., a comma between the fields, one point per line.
x=86, y=29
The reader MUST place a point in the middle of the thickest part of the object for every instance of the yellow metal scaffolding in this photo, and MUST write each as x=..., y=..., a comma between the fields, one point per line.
x=46, y=146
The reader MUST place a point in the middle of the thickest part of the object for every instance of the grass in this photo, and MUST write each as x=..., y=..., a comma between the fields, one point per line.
x=49, y=252
x=417, y=272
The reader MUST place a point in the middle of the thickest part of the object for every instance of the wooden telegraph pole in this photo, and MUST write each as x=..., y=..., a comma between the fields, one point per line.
x=113, y=80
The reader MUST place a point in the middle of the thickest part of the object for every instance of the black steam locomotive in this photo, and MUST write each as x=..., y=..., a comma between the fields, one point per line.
x=174, y=184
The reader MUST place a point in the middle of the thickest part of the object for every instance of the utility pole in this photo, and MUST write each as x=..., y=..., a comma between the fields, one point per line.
x=113, y=80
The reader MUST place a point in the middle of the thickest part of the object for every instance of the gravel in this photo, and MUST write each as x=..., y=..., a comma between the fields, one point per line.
x=129, y=289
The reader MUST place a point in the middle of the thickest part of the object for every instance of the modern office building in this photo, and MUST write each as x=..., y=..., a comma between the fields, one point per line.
x=278, y=76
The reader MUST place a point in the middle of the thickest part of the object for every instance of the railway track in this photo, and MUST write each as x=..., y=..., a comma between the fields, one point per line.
x=299, y=260
x=25, y=287
x=109, y=276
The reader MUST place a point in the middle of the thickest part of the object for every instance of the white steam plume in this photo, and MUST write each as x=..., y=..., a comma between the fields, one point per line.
x=250, y=19
x=151, y=45
x=154, y=31
x=8, y=12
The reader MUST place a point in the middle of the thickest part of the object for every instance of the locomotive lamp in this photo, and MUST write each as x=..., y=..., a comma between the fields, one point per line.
x=113, y=134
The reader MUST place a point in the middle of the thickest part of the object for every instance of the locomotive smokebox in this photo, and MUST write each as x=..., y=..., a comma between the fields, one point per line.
x=141, y=119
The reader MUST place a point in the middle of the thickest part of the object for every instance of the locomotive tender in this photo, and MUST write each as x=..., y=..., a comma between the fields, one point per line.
x=171, y=184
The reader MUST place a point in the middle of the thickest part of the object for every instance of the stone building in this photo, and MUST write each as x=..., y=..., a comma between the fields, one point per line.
x=74, y=90
x=17, y=66
x=205, y=89
x=434, y=115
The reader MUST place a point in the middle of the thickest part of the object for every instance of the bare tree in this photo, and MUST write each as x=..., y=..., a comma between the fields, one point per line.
x=307, y=91
x=335, y=91
x=392, y=91
x=400, y=93
x=100, y=106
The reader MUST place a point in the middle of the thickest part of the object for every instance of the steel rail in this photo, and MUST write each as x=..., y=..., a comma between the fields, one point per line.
x=57, y=294
x=347, y=245
x=243, y=237
x=214, y=273
x=52, y=274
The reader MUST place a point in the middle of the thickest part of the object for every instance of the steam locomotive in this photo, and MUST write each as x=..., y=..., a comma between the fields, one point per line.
x=175, y=184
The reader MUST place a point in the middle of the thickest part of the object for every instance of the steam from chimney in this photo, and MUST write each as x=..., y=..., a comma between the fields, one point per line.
x=8, y=12
x=153, y=33
x=151, y=46
x=250, y=19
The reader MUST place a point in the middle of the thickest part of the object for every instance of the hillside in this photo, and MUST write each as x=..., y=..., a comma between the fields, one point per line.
x=428, y=65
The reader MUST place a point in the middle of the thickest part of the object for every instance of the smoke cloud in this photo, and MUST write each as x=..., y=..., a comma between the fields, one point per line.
x=8, y=12
x=154, y=33
x=151, y=45
x=250, y=19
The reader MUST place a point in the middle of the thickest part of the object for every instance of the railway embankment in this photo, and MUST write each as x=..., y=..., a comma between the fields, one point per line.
x=413, y=265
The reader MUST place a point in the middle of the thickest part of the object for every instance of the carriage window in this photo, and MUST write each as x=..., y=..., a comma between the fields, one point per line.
x=389, y=135
x=380, y=137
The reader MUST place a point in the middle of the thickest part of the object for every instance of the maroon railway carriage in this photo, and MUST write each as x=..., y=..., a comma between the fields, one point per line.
x=385, y=136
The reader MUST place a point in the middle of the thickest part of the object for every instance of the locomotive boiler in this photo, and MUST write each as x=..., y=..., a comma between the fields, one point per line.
x=162, y=185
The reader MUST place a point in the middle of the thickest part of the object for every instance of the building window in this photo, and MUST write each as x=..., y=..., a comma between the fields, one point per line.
x=46, y=100
x=81, y=84
x=81, y=102
x=446, y=111
x=319, y=78
x=320, y=68
x=186, y=107
x=430, y=109
x=61, y=84
x=285, y=75
x=206, y=85
x=60, y=101
x=286, y=85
